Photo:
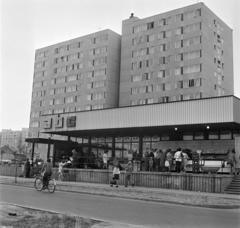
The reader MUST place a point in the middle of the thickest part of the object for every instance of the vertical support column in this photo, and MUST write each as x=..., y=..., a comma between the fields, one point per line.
x=49, y=146
x=54, y=155
x=140, y=146
x=33, y=145
x=113, y=146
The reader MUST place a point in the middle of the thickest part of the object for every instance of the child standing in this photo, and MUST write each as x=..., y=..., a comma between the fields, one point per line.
x=116, y=174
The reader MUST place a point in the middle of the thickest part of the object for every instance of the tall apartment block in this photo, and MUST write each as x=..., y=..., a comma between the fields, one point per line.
x=178, y=55
x=76, y=75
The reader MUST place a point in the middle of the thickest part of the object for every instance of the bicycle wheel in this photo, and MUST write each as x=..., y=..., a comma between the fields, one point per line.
x=38, y=184
x=51, y=185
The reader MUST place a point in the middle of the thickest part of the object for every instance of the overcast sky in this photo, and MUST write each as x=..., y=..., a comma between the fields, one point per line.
x=27, y=25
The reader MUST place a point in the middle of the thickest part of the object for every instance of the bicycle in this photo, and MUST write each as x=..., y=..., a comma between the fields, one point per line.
x=51, y=184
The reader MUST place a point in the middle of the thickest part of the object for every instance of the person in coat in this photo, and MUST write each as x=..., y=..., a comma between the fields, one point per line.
x=27, y=168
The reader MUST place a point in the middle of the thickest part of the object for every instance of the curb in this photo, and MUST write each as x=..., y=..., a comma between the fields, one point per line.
x=140, y=198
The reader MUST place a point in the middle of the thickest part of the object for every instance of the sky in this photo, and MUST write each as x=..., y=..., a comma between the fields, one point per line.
x=27, y=25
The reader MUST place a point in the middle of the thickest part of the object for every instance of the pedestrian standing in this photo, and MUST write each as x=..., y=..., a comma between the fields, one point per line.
x=128, y=169
x=60, y=169
x=156, y=160
x=184, y=161
x=116, y=175
x=105, y=159
x=162, y=161
x=151, y=164
x=169, y=158
x=231, y=160
x=146, y=160
x=178, y=158
x=27, y=168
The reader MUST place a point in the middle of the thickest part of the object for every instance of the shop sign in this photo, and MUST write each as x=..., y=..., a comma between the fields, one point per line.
x=59, y=122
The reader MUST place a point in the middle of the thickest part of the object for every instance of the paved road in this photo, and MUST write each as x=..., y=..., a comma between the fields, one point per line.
x=142, y=213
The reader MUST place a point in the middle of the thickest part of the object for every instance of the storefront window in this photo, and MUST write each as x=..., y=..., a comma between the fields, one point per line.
x=155, y=138
x=225, y=135
x=213, y=135
x=236, y=133
x=165, y=136
x=187, y=135
x=198, y=135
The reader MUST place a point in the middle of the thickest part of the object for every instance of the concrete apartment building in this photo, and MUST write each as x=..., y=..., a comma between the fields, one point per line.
x=76, y=75
x=11, y=138
x=182, y=54
x=167, y=82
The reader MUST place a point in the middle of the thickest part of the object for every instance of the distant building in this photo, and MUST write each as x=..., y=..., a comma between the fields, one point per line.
x=14, y=139
x=11, y=138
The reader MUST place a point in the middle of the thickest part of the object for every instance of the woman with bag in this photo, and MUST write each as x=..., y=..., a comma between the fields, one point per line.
x=116, y=174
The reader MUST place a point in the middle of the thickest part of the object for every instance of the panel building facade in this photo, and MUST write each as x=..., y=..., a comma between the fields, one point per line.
x=178, y=55
x=76, y=75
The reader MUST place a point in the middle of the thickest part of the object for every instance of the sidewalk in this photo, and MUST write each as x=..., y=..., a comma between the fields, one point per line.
x=201, y=199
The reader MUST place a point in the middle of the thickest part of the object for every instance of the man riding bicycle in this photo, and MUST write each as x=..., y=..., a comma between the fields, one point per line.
x=47, y=167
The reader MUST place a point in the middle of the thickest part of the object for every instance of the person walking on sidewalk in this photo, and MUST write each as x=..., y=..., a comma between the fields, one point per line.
x=116, y=174
x=128, y=169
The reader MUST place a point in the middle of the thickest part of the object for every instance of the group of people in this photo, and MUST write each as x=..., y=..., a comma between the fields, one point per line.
x=117, y=171
x=162, y=160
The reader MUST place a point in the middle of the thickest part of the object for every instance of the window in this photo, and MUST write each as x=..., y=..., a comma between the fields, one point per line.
x=191, y=55
x=168, y=86
x=70, y=99
x=161, y=87
x=198, y=135
x=70, y=109
x=59, y=110
x=187, y=136
x=186, y=97
x=73, y=77
x=60, y=90
x=136, y=78
x=168, y=33
x=150, y=101
x=59, y=101
x=99, y=84
x=73, y=56
x=178, y=44
x=192, y=27
x=178, y=31
x=60, y=80
x=213, y=135
x=142, y=101
x=178, y=71
x=89, y=85
x=162, y=22
x=134, y=90
x=98, y=106
x=134, y=53
x=178, y=57
x=151, y=50
x=71, y=88
x=142, y=89
x=161, y=74
x=192, y=41
x=150, y=88
x=74, y=45
x=51, y=92
x=178, y=17
x=89, y=97
x=191, y=14
x=151, y=37
x=97, y=96
x=191, y=69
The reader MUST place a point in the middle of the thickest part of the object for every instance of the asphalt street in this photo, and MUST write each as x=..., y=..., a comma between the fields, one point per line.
x=135, y=212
